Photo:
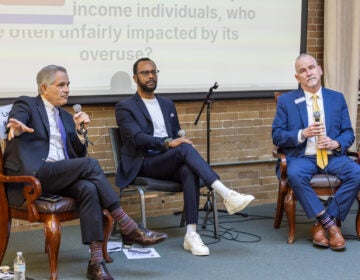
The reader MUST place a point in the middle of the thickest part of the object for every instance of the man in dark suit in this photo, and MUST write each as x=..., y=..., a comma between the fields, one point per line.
x=315, y=121
x=152, y=147
x=46, y=141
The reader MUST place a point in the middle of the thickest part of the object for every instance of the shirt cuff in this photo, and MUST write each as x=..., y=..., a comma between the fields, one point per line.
x=301, y=139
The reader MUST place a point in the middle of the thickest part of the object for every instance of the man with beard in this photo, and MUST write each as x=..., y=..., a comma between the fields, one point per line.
x=151, y=147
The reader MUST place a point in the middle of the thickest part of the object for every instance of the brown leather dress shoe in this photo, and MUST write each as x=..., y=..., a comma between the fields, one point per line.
x=318, y=235
x=98, y=271
x=337, y=241
x=143, y=236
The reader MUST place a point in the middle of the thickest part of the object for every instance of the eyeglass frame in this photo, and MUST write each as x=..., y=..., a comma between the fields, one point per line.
x=147, y=73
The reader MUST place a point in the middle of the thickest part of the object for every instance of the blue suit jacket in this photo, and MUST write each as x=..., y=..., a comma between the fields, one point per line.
x=291, y=116
x=136, y=133
x=25, y=154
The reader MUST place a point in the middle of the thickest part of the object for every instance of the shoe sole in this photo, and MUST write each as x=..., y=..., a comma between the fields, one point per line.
x=338, y=248
x=324, y=245
x=188, y=248
x=238, y=209
x=129, y=244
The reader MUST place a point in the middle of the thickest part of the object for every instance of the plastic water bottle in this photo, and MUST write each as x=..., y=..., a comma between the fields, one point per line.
x=19, y=267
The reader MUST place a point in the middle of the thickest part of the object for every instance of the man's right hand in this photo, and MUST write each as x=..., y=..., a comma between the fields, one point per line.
x=177, y=141
x=17, y=128
x=315, y=129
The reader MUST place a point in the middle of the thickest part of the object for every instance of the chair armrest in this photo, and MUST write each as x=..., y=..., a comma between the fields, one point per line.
x=277, y=153
x=32, y=191
x=355, y=155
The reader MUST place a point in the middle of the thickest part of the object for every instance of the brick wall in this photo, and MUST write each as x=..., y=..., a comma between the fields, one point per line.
x=240, y=140
x=315, y=29
x=240, y=149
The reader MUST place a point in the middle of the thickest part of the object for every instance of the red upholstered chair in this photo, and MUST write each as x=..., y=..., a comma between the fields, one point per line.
x=323, y=185
x=51, y=214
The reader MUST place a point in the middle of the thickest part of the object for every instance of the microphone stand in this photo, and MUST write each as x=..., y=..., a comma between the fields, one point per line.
x=208, y=101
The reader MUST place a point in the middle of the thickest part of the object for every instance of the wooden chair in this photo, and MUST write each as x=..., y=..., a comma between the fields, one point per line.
x=145, y=184
x=51, y=214
x=323, y=185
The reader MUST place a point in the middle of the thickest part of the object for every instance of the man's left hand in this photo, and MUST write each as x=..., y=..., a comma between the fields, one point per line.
x=325, y=142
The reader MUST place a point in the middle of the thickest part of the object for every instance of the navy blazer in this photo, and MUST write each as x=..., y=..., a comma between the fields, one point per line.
x=291, y=116
x=25, y=154
x=136, y=133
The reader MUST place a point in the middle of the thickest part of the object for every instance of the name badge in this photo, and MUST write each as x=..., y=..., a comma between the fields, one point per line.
x=299, y=100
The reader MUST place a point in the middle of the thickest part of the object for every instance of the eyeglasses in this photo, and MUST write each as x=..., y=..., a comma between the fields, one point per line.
x=147, y=73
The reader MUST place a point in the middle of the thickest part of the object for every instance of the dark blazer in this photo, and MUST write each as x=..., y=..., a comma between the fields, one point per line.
x=291, y=116
x=136, y=133
x=25, y=154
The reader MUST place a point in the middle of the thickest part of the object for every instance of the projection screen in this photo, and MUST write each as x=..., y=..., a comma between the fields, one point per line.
x=243, y=45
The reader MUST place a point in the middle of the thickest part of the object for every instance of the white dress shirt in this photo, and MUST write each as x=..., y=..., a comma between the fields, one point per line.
x=56, y=150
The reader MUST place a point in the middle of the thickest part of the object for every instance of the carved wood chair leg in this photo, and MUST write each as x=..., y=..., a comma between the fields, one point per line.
x=357, y=221
x=52, y=231
x=108, y=225
x=290, y=208
x=5, y=228
x=279, y=209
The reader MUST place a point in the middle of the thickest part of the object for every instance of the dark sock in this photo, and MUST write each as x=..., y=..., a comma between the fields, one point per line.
x=126, y=224
x=326, y=220
x=96, y=254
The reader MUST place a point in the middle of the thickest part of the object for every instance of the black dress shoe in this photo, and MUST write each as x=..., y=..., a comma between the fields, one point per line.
x=143, y=236
x=98, y=271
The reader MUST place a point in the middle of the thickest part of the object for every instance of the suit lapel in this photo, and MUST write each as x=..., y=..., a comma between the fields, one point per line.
x=43, y=115
x=327, y=101
x=301, y=105
x=166, y=115
x=142, y=107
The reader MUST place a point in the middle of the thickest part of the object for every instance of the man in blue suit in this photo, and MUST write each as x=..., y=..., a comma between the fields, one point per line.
x=36, y=146
x=152, y=147
x=299, y=131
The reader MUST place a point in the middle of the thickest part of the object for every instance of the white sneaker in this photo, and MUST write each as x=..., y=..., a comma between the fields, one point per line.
x=195, y=245
x=236, y=202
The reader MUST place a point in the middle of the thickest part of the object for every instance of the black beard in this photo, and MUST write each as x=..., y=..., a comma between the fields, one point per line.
x=146, y=88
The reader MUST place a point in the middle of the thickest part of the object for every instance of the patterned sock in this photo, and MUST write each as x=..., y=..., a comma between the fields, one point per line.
x=326, y=220
x=126, y=224
x=96, y=254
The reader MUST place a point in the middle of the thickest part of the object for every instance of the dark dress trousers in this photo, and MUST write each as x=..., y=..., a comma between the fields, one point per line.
x=142, y=154
x=79, y=176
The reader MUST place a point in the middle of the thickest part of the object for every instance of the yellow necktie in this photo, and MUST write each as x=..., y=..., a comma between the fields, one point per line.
x=321, y=154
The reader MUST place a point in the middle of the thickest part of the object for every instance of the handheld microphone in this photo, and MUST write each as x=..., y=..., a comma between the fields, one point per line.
x=77, y=109
x=181, y=133
x=316, y=116
x=83, y=130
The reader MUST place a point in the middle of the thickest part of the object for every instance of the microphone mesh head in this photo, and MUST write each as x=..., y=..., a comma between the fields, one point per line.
x=77, y=108
x=181, y=133
x=317, y=116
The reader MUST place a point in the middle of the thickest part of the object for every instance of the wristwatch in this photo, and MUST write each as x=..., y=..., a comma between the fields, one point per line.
x=167, y=142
